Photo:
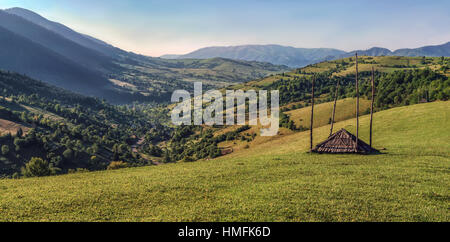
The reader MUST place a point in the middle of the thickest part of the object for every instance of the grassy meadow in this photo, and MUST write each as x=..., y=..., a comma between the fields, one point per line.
x=345, y=109
x=273, y=181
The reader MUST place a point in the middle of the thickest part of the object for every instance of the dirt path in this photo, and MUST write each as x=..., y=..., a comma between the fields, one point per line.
x=135, y=147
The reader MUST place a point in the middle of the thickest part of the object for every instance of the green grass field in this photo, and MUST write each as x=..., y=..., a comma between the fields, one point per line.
x=273, y=181
x=345, y=109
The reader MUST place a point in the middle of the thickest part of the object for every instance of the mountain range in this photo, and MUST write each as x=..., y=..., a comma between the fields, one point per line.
x=299, y=57
x=282, y=55
x=54, y=53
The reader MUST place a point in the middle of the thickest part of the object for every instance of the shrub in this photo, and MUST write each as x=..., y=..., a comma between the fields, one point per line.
x=78, y=170
x=68, y=154
x=36, y=167
x=16, y=175
x=5, y=149
x=4, y=160
x=117, y=165
x=188, y=159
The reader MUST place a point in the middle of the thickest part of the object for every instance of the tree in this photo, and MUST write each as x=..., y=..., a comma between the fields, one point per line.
x=93, y=149
x=36, y=167
x=68, y=154
x=19, y=143
x=19, y=132
x=167, y=157
x=5, y=149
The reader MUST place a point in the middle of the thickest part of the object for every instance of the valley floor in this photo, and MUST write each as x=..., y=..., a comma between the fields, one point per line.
x=274, y=181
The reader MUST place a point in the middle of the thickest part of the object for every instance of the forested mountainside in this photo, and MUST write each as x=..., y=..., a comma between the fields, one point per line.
x=68, y=33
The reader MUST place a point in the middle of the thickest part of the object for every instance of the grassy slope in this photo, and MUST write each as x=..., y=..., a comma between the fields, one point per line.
x=409, y=182
x=345, y=109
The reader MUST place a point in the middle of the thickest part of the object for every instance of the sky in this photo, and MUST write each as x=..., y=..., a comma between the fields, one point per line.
x=158, y=27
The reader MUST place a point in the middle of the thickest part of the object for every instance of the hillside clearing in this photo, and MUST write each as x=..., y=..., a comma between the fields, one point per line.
x=10, y=127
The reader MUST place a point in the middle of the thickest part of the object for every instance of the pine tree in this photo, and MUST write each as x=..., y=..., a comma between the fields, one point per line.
x=19, y=132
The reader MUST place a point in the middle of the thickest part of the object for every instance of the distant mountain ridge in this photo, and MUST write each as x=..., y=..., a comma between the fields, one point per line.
x=281, y=55
x=299, y=57
x=429, y=51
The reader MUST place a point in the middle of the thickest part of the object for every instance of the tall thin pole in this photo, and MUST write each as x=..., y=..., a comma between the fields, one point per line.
x=371, y=107
x=334, y=107
x=357, y=106
x=312, y=115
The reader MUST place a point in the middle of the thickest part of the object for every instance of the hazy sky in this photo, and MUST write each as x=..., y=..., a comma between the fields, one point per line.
x=157, y=27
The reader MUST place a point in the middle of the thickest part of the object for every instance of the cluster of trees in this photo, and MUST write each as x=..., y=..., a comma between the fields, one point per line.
x=286, y=122
x=299, y=88
x=82, y=144
x=410, y=87
x=393, y=89
x=190, y=143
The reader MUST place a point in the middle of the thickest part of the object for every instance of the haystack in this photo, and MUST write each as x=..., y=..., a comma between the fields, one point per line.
x=343, y=142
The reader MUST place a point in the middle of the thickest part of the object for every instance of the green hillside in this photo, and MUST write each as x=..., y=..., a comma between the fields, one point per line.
x=68, y=130
x=274, y=181
x=346, y=67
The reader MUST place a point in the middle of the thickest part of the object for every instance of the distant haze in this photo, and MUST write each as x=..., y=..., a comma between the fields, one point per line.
x=178, y=27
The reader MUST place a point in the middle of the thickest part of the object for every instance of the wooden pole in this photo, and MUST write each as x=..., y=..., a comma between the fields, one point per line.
x=334, y=107
x=312, y=114
x=357, y=105
x=371, y=107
